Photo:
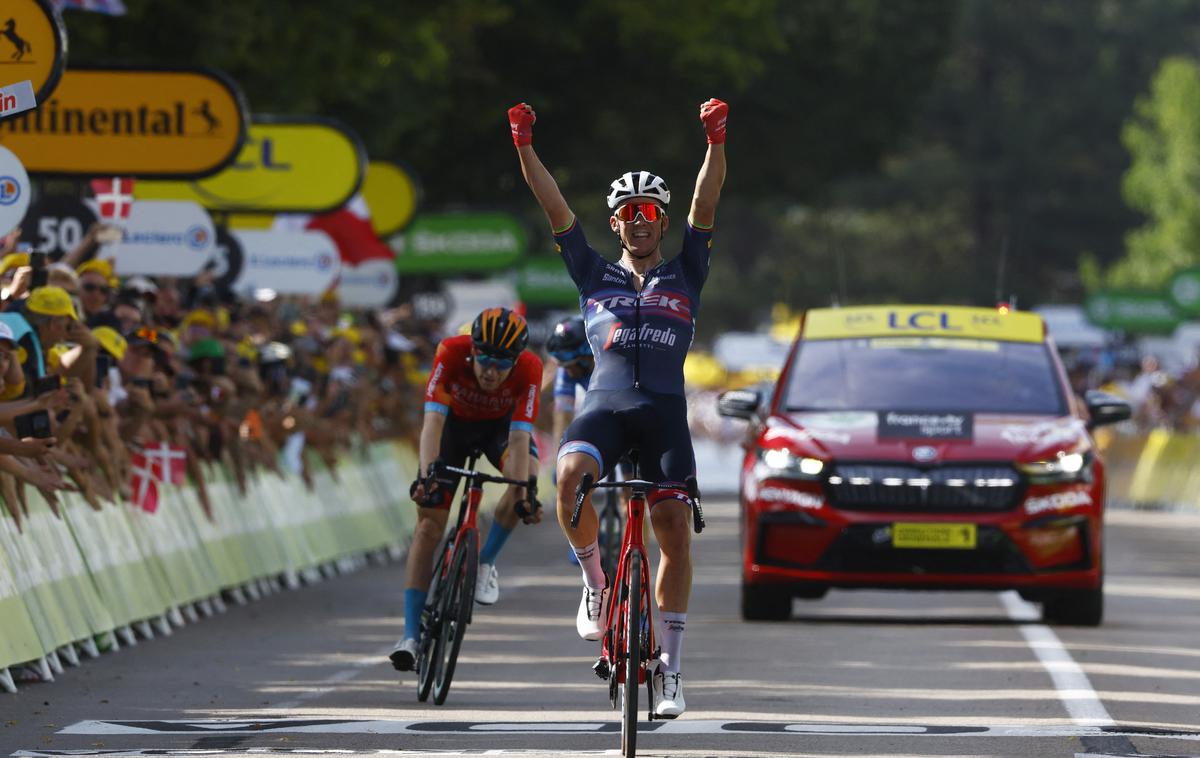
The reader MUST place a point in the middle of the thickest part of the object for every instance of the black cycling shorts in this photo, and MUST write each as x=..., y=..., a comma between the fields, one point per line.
x=612, y=422
x=460, y=438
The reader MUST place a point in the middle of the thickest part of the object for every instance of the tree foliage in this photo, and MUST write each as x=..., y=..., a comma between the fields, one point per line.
x=1163, y=181
x=815, y=87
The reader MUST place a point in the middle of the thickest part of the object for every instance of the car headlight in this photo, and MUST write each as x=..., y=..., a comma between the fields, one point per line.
x=782, y=463
x=1063, y=468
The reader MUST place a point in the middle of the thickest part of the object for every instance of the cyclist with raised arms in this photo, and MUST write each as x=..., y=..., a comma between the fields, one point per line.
x=482, y=395
x=640, y=319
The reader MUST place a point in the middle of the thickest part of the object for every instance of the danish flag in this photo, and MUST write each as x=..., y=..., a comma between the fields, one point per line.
x=167, y=462
x=145, y=489
x=115, y=197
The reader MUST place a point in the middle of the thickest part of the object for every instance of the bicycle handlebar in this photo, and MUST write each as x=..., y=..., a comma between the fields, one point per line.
x=639, y=486
x=438, y=468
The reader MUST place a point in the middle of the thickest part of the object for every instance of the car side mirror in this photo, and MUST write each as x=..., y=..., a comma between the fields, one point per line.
x=1105, y=408
x=741, y=404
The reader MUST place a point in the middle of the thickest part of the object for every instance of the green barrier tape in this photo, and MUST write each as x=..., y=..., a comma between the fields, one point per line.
x=75, y=586
x=19, y=640
x=63, y=580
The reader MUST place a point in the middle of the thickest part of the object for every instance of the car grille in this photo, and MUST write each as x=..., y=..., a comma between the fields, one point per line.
x=938, y=489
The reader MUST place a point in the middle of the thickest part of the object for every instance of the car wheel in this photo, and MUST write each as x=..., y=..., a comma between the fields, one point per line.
x=810, y=592
x=1075, y=607
x=765, y=603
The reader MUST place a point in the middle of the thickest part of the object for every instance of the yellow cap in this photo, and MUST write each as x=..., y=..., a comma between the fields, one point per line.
x=198, y=318
x=359, y=356
x=54, y=355
x=51, y=301
x=13, y=260
x=246, y=349
x=298, y=328
x=111, y=340
x=101, y=266
x=350, y=333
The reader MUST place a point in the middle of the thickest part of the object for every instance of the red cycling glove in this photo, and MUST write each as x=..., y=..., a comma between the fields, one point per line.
x=521, y=118
x=713, y=113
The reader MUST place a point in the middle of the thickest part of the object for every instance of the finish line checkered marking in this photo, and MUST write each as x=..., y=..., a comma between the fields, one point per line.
x=361, y=726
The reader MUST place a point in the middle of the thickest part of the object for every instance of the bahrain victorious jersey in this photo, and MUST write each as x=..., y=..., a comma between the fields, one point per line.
x=453, y=389
x=639, y=340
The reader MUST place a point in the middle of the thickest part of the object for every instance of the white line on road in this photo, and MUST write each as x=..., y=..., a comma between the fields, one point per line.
x=299, y=751
x=1074, y=688
x=685, y=727
x=327, y=685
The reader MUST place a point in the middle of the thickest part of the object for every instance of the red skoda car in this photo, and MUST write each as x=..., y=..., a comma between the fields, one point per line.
x=923, y=447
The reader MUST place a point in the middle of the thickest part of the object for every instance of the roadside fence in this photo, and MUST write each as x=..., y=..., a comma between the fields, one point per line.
x=96, y=580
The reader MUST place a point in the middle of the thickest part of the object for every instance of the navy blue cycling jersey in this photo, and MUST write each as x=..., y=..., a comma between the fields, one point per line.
x=639, y=340
x=564, y=388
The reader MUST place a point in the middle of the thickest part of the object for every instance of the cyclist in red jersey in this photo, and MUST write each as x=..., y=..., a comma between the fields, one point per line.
x=482, y=395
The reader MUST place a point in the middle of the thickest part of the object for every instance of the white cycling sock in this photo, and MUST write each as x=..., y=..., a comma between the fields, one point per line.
x=672, y=640
x=589, y=561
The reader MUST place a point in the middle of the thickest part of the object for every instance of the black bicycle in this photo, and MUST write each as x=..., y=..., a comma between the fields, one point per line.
x=451, y=598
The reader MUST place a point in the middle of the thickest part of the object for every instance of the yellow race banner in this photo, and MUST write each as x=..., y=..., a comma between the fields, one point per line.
x=132, y=122
x=33, y=45
x=303, y=164
x=392, y=195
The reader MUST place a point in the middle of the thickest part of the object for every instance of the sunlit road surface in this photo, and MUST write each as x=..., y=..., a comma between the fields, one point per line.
x=858, y=673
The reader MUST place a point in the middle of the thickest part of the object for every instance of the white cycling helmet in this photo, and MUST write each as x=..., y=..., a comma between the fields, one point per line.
x=639, y=184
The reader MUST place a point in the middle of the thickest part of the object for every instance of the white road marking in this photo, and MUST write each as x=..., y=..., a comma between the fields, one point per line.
x=1074, y=688
x=327, y=685
x=218, y=753
x=685, y=727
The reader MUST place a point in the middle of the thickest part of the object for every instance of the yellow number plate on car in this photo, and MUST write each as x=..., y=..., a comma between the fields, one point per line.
x=954, y=536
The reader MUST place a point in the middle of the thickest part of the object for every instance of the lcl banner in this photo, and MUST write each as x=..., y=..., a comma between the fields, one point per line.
x=132, y=122
x=289, y=164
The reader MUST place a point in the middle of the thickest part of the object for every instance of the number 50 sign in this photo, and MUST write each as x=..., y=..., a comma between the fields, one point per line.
x=55, y=224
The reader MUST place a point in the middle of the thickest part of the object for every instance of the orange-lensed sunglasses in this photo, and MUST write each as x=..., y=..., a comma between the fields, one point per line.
x=649, y=211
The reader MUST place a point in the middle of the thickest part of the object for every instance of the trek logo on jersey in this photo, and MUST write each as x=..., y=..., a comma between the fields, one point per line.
x=673, y=303
x=623, y=336
x=529, y=401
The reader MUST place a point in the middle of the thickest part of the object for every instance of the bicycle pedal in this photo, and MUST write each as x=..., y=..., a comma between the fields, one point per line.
x=601, y=668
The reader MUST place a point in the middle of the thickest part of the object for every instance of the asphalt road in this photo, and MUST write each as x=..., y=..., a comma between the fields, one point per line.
x=858, y=673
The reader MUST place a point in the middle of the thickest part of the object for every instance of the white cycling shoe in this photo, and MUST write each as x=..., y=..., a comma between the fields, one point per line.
x=404, y=655
x=591, y=620
x=487, y=585
x=668, y=695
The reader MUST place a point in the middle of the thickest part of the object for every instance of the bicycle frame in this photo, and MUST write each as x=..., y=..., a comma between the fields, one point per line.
x=614, y=638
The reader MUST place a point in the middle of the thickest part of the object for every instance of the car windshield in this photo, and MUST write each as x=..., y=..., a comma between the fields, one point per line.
x=924, y=373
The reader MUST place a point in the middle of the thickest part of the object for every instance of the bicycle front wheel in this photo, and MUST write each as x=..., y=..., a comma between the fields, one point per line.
x=428, y=648
x=633, y=656
x=460, y=594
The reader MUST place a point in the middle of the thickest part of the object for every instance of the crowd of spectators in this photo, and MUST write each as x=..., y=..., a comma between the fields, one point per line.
x=1161, y=398
x=94, y=368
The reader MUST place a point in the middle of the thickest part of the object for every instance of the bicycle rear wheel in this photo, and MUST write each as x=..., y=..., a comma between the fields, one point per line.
x=460, y=595
x=431, y=633
x=633, y=657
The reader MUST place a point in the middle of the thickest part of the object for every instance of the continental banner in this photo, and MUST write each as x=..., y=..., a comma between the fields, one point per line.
x=181, y=123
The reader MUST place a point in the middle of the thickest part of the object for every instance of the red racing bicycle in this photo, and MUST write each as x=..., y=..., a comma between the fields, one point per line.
x=451, y=598
x=628, y=646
